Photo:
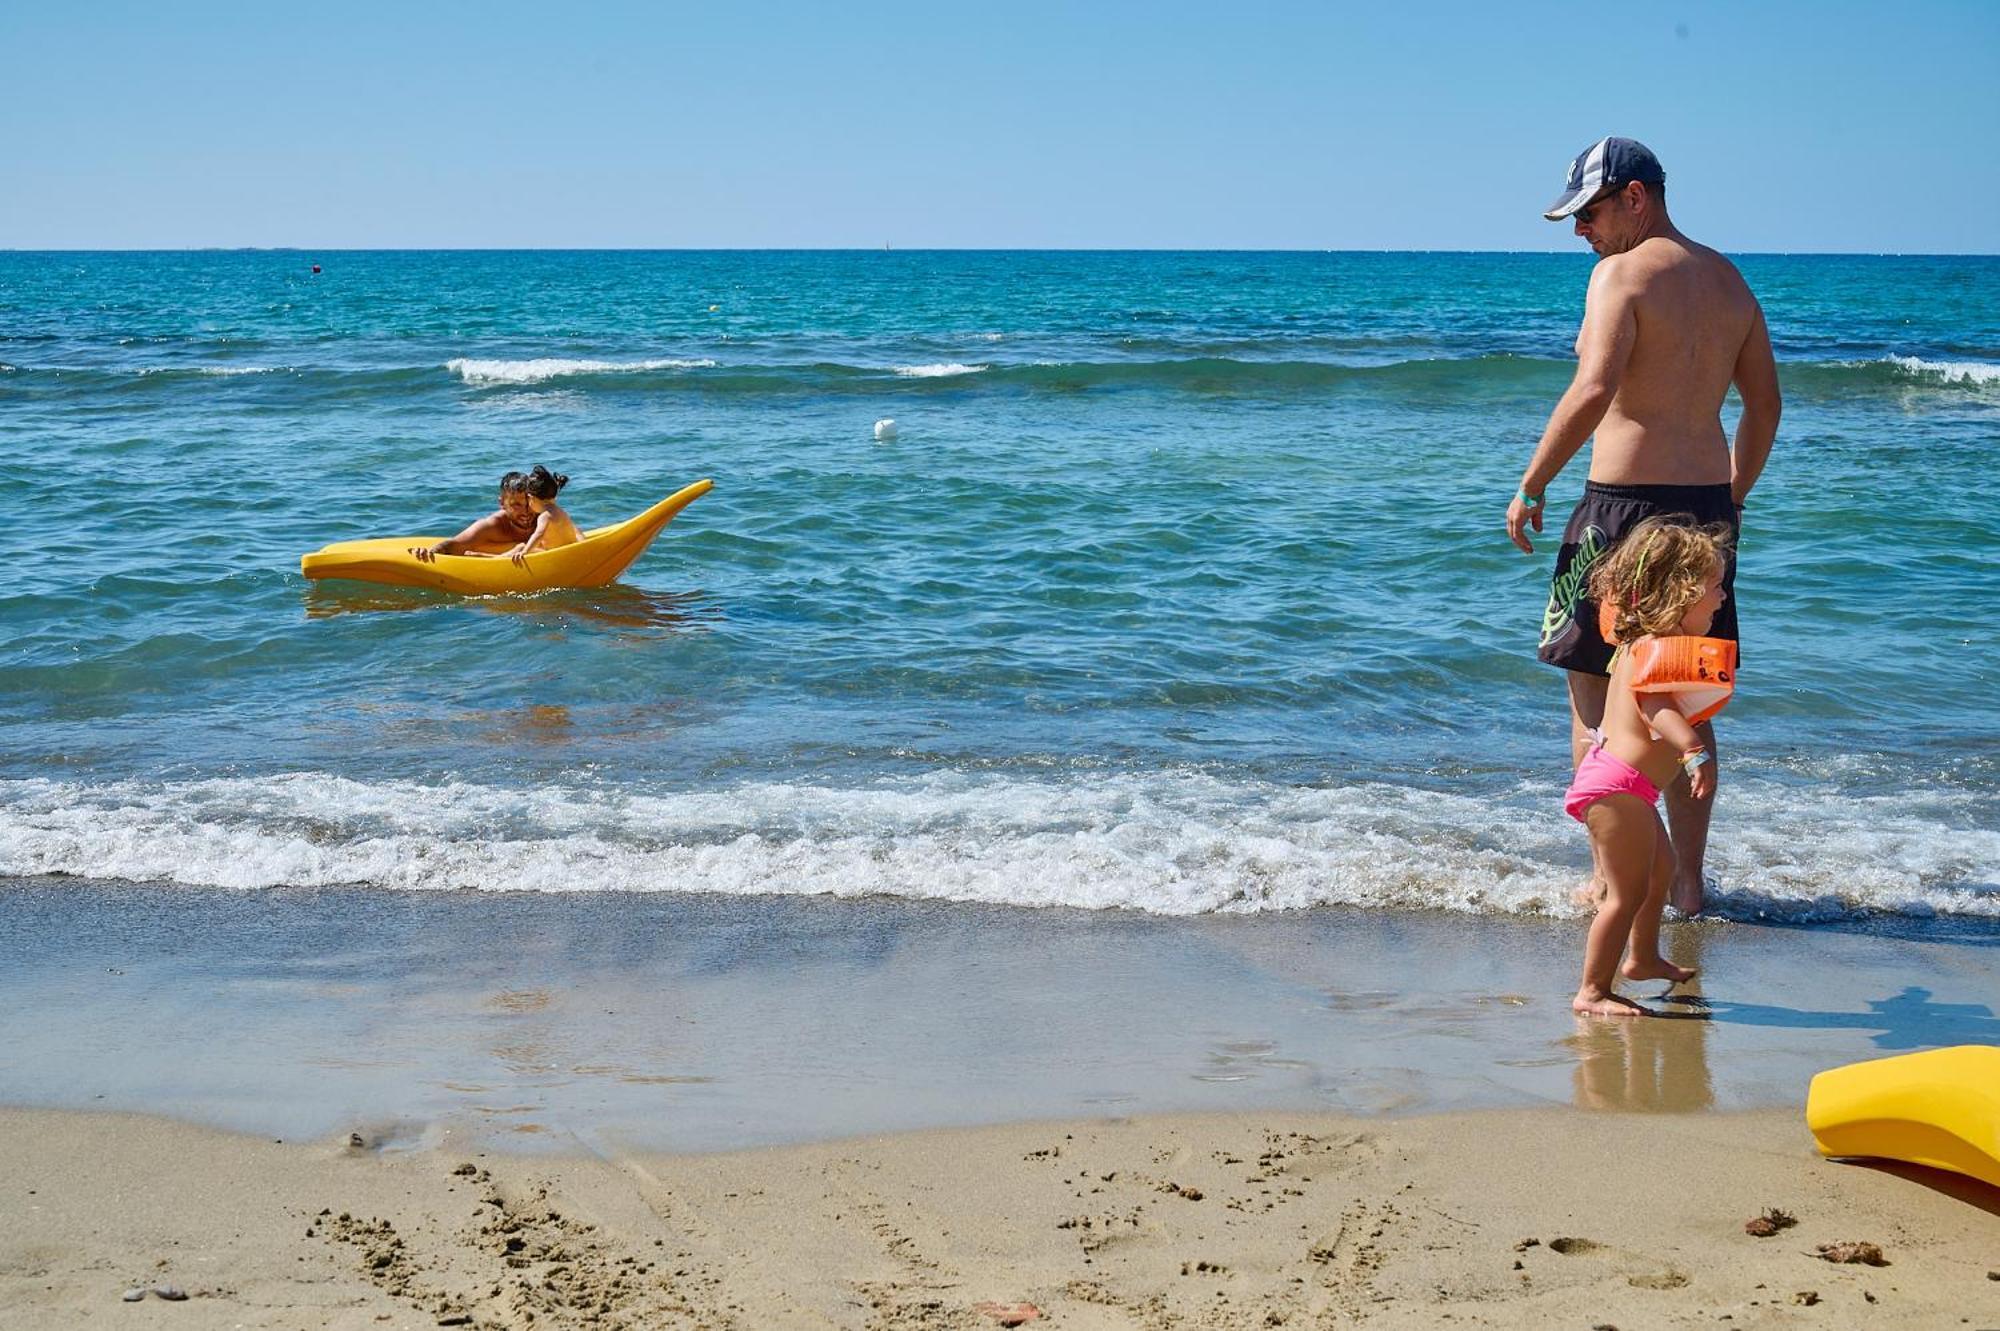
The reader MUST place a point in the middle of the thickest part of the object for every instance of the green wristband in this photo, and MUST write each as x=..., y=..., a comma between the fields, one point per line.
x=1532, y=501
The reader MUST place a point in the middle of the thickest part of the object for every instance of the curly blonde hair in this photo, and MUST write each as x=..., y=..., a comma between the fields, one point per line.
x=1654, y=575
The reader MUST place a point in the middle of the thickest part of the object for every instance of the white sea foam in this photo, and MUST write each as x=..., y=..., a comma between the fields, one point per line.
x=551, y=367
x=1949, y=371
x=222, y=371
x=941, y=371
x=1170, y=843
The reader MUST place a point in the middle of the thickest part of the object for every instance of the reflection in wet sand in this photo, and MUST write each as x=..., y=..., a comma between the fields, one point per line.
x=1654, y=1063
x=1641, y=1064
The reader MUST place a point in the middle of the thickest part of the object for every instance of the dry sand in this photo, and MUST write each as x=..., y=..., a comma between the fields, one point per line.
x=1545, y=1217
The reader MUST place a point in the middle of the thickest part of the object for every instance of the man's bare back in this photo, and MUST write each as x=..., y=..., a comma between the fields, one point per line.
x=1692, y=317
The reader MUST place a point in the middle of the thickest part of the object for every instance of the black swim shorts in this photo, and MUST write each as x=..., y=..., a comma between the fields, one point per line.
x=1603, y=517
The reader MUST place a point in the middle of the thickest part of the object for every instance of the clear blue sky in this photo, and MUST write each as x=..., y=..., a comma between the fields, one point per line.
x=1783, y=126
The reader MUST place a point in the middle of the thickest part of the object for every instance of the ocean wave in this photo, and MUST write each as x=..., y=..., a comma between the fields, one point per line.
x=1980, y=373
x=545, y=368
x=1170, y=843
x=212, y=371
x=1431, y=378
x=946, y=370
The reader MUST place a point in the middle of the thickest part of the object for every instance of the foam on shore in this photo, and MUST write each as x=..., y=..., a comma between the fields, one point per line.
x=1169, y=843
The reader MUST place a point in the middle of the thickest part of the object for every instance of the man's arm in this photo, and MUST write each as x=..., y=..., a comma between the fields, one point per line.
x=1756, y=381
x=455, y=545
x=1603, y=348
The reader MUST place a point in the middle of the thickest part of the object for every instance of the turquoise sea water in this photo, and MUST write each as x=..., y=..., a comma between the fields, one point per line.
x=1182, y=586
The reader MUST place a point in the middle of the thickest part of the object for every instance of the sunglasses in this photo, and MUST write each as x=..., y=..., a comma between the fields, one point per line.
x=1589, y=210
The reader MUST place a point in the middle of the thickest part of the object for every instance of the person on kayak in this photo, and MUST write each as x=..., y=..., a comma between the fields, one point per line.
x=498, y=533
x=553, y=527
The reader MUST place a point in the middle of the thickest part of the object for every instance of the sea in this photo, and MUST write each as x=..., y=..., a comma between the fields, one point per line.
x=1180, y=587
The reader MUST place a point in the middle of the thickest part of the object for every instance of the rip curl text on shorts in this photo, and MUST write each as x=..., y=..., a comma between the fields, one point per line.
x=1603, y=517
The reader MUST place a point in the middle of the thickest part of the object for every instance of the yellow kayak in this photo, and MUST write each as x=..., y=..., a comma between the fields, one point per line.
x=598, y=558
x=1939, y=1108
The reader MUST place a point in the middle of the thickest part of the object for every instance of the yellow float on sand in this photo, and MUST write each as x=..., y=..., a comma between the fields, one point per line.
x=1939, y=1108
x=598, y=558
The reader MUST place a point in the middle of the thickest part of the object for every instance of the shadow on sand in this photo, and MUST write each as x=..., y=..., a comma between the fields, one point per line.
x=1907, y=1020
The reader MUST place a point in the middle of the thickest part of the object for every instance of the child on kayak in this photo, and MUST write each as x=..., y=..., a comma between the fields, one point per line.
x=552, y=527
x=498, y=533
x=1659, y=589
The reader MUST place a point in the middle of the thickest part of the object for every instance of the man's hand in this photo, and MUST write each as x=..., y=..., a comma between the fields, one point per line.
x=423, y=553
x=1519, y=512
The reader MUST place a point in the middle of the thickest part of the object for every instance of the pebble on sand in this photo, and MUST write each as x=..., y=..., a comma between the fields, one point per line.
x=1866, y=1254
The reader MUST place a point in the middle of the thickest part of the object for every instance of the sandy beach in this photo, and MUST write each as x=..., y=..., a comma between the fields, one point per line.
x=1533, y=1218
x=304, y=1110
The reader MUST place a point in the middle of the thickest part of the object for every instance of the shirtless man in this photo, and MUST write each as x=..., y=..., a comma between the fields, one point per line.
x=497, y=533
x=1668, y=326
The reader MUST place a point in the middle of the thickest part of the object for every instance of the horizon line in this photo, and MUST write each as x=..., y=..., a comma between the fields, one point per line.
x=918, y=249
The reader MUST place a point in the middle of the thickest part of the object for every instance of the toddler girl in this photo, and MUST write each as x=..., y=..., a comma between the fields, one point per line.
x=1657, y=593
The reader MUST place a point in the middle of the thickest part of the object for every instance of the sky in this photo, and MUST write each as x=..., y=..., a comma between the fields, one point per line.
x=1787, y=127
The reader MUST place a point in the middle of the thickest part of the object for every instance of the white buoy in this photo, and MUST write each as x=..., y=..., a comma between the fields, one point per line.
x=885, y=428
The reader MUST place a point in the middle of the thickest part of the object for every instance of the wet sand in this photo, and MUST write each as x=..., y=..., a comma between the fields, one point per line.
x=716, y=1023
x=364, y=1109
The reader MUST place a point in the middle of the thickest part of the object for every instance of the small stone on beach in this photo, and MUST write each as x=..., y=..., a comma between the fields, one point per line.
x=1865, y=1254
x=171, y=1293
x=133, y=1295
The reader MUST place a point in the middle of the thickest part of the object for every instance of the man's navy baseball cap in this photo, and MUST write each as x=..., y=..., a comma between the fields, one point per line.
x=1605, y=162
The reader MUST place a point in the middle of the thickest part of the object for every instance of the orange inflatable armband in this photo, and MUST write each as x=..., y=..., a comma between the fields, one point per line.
x=1699, y=672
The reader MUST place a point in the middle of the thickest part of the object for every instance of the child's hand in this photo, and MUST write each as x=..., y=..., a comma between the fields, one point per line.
x=1701, y=781
x=423, y=553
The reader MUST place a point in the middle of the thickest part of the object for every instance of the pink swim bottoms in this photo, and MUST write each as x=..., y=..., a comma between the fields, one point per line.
x=1600, y=774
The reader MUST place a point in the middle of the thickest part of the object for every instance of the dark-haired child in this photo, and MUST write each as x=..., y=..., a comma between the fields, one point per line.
x=552, y=526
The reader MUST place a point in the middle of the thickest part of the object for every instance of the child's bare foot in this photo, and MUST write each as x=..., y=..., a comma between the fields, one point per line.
x=1592, y=1002
x=1655, y=968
